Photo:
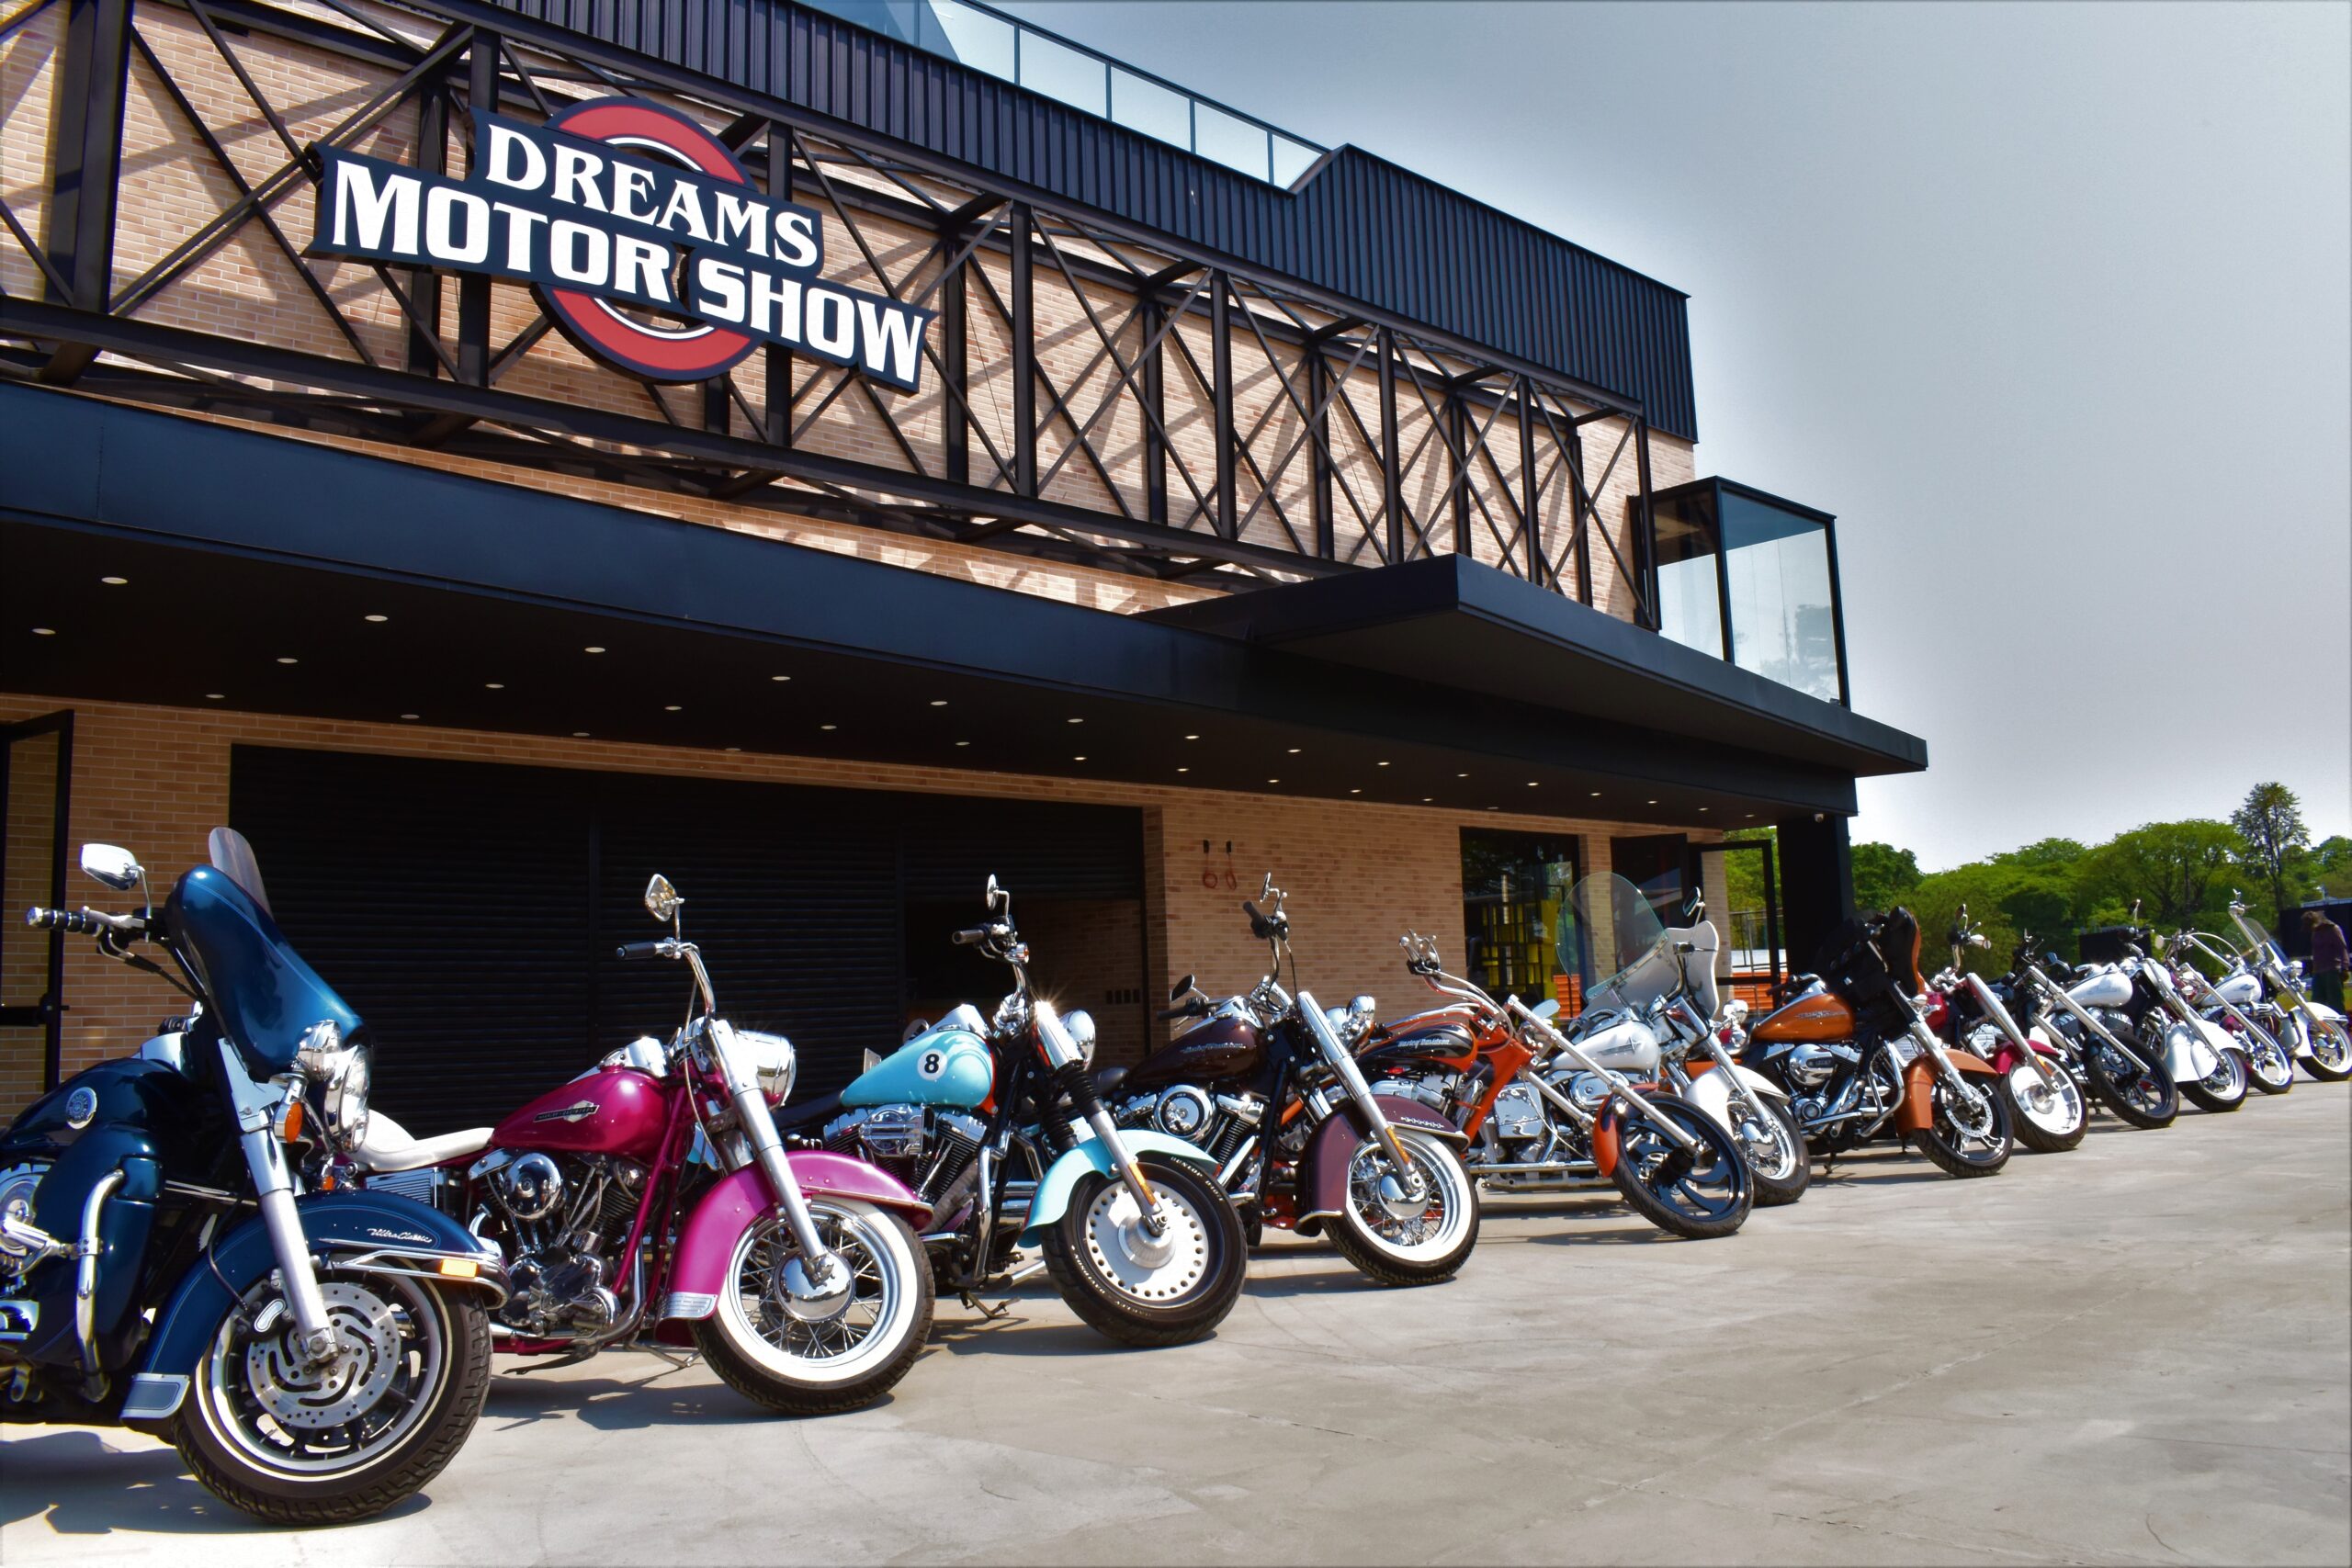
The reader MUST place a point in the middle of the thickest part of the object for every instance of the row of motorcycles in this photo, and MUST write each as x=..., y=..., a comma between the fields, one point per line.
x=219, y=1241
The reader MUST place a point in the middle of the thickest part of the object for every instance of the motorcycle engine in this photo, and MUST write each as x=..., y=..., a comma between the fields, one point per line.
x=928, y=1148
x=1518, y=1110
x=1217, y=1122
x=16, y=1188
x=1810, y=1066
x=563, y=1224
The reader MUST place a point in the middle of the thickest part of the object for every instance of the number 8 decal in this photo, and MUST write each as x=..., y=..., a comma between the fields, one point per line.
x=934, y=1063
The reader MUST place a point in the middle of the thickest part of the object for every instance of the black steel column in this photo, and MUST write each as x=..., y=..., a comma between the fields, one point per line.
x=1319, y=444
x=1154, y=402
x=86, y=163
x=955, y=358
x=473, y=290
x=423, y=283
x=1221, y=396
x=1392, y=481
x=776, y=363
x=1457, y=443
x=1529, y=514
x=1024, y=358
x=1647, y=522
x=1816, y=881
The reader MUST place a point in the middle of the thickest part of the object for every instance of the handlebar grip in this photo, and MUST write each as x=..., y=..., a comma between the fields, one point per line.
x=637, y=950
x=71, y=921
x=970, y=936
x=1249, y=907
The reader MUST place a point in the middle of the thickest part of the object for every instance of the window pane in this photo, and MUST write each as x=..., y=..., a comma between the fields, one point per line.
x=1151, y=108
x=1690, y=611
x=978, y=39
x=1782, y=626
x=1060, y=72
x=1292, y=159
x=1231, y=141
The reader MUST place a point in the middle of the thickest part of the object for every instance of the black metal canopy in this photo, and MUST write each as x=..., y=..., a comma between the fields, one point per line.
x=291, y=577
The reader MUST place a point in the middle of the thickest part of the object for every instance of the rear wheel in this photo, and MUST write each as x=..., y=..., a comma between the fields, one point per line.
x=1137, y=1288
x=1701, y=1191
x=1968, y=1132
x=2047, y=1118
x=2145, y=1097
x=838, y=1351
x=2223, y=1090
x=300, y=1443
x=1394, y=1238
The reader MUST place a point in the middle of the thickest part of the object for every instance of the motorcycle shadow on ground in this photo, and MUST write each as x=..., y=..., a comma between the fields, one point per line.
x=648, y=1395
x=74, y=1482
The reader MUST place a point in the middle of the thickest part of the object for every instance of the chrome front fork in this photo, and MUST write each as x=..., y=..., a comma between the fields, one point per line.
x=818, y=1271
x=1059, y=1051
x=2082, y=1015
x=1618, y=1085
x=1351, y=1077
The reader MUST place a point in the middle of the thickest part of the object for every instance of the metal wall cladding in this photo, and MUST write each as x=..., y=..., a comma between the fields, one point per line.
x=1357, y=225
x=468, y=911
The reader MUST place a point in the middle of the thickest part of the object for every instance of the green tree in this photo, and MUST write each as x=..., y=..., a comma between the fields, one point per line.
x=2174, y=869
x=2270, y=820
x=1882, y=875
x=2064, y=853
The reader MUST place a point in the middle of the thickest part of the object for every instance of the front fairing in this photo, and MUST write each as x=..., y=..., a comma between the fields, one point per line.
x=258, y=990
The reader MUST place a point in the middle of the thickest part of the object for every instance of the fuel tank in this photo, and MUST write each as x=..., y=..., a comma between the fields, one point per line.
x=2104, y=988
x=1223, y=1045
x=1624, y=1044
x=612, y=1111
x=1817, y=1015
x=2241, y=990
x=948, y=1064
x=1440, y=1036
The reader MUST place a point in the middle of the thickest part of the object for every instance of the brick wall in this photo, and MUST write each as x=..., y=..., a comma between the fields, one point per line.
x=155, y=780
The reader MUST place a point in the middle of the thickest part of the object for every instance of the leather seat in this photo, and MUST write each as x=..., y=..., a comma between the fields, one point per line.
x=1108, y=1079
x=386, y=1146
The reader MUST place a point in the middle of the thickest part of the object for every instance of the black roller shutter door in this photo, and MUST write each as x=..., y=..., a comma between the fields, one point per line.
x=468, y=911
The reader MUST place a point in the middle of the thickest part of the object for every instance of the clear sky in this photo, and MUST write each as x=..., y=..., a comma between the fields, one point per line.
x=2052, y=305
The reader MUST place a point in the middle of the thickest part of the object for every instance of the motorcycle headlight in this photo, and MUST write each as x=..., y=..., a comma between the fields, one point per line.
x=342, y=1077
x=772, y=1060
x=1080, y=1024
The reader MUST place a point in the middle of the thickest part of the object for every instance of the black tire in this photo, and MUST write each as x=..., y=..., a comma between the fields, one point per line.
x=1773, y=1191
x=720, y=1339
x=2226, y=1090
x=2022, y=1090
x=1656, y=1176
x=1390, y=1261
x=386, y=1479
x=1193, y=1310
x=2329, y=1038
x=2148, y=1100
x=2275, y=1081
x=1954, y=1153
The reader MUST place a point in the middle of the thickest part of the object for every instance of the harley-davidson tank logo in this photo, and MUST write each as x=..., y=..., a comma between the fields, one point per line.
x=81, y=1107
x=578, y=1110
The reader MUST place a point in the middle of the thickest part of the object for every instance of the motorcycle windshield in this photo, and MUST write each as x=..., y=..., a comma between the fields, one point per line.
x=1608, y=926
x=2256, y=936
x=262, y=996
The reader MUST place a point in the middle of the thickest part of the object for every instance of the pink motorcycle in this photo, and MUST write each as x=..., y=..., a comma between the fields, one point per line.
x=796, y=1273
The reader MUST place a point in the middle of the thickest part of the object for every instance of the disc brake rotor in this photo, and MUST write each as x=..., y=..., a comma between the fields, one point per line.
x=1969, y=1111
x=348, y=1384
x=1149, y=1268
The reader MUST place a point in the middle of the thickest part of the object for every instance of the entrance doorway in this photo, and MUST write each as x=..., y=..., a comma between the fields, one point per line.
x=36, y=768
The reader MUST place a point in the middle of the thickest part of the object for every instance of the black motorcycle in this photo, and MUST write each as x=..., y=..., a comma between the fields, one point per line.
x=314, y=1355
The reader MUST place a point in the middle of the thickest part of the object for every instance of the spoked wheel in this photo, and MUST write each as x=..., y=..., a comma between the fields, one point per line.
x=2273, y=1068
x=1701, y=1191
x=1968, y=1132
x=1142, y=1288
x=302, y=1442
x=2223, y=1090
x=2047, y=1118
x=1395, y=1236
x=2143, y=1097
x=804, y=1355
x=2331, y=1057
x=1774, y=1149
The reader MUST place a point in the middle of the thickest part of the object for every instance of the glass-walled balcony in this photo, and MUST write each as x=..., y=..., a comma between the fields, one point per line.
x=987, y=39
x=1752, y=578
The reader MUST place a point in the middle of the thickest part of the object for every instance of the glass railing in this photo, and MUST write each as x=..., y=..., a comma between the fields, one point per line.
x=1752, y=578
x=987, y=39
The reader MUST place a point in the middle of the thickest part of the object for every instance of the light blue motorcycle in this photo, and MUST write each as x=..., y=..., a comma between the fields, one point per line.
x=997, y=1124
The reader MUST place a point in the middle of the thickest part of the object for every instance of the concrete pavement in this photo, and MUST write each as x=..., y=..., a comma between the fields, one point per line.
x=2138, y=1352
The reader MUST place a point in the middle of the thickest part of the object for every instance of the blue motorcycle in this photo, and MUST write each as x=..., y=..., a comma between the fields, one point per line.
x=315, y=1355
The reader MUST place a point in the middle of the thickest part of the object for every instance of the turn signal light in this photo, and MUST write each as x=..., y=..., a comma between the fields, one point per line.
x=289, y=1126
x=461, y=1267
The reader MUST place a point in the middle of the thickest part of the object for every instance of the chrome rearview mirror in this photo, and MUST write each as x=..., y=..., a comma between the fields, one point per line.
x=999, y=901
x=113, y=865
x=662, y=900
x=1182, y=988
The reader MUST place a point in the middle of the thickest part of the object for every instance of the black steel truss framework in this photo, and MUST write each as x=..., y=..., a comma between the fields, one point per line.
x=1169, y=415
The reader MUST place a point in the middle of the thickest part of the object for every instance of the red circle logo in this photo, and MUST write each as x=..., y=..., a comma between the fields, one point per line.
x=688, y=351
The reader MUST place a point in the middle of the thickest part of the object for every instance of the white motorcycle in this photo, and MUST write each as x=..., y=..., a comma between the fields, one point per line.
x=2231, y=1001
x=2313, y=1031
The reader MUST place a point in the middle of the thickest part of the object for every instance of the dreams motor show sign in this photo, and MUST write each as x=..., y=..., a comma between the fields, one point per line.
x=618, y=202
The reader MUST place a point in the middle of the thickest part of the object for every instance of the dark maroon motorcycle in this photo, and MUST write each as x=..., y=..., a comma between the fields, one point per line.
x=649, y=1202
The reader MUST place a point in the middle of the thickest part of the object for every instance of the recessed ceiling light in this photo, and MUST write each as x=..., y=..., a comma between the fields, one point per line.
x=408, y=716
x=214, y=697
x=580, y=735
x=1595, y=795
x=114, y=581
x=1751, y=816
x=1649, y=803
x=1183, y=770
x=1531, y=784
x=281, y=661
x=672, y=707
x=1462, y=775
x=1426, y=799
x=44, y=631
x=734, y=747
x=1078, y=721
x=380, y=620
x=1494, y=808
x=779, y=677
x=1192, y=738
x=1355, y=792
x=494, y=685
x=939, y=702
x=1294, y=751
x=828, y=726
x=1702, y=808
x=1273, y=781
x=1380, y=764
x=594, y=648
x=963, y=743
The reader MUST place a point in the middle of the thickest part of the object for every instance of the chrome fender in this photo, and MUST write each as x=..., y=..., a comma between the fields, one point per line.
x=1089, y=1157
x=707, y=1245
x=2192, y=1053
x=1711, y=1095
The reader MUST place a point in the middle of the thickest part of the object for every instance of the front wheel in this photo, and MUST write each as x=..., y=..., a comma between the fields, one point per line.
x=2047, y=1118
x=1968, y=1129
x=1701, y=1191
x=2146, y=1097
x=2223, y=1090
x=2331, y=1057
x=1394, y=1238
x=840, y=1351
x=1776, y=1157
x=2272, y=1068
x=1141, y=1289
x=296, y=1443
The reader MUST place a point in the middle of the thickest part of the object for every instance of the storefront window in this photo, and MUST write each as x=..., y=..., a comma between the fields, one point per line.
x=1776, y=571
x=1512, y=887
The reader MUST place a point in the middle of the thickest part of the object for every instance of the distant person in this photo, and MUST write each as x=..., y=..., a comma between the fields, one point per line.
x=2327, y=963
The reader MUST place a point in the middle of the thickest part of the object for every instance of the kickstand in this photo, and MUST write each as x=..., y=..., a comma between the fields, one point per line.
x=986, y=1310
x=571, y=1358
